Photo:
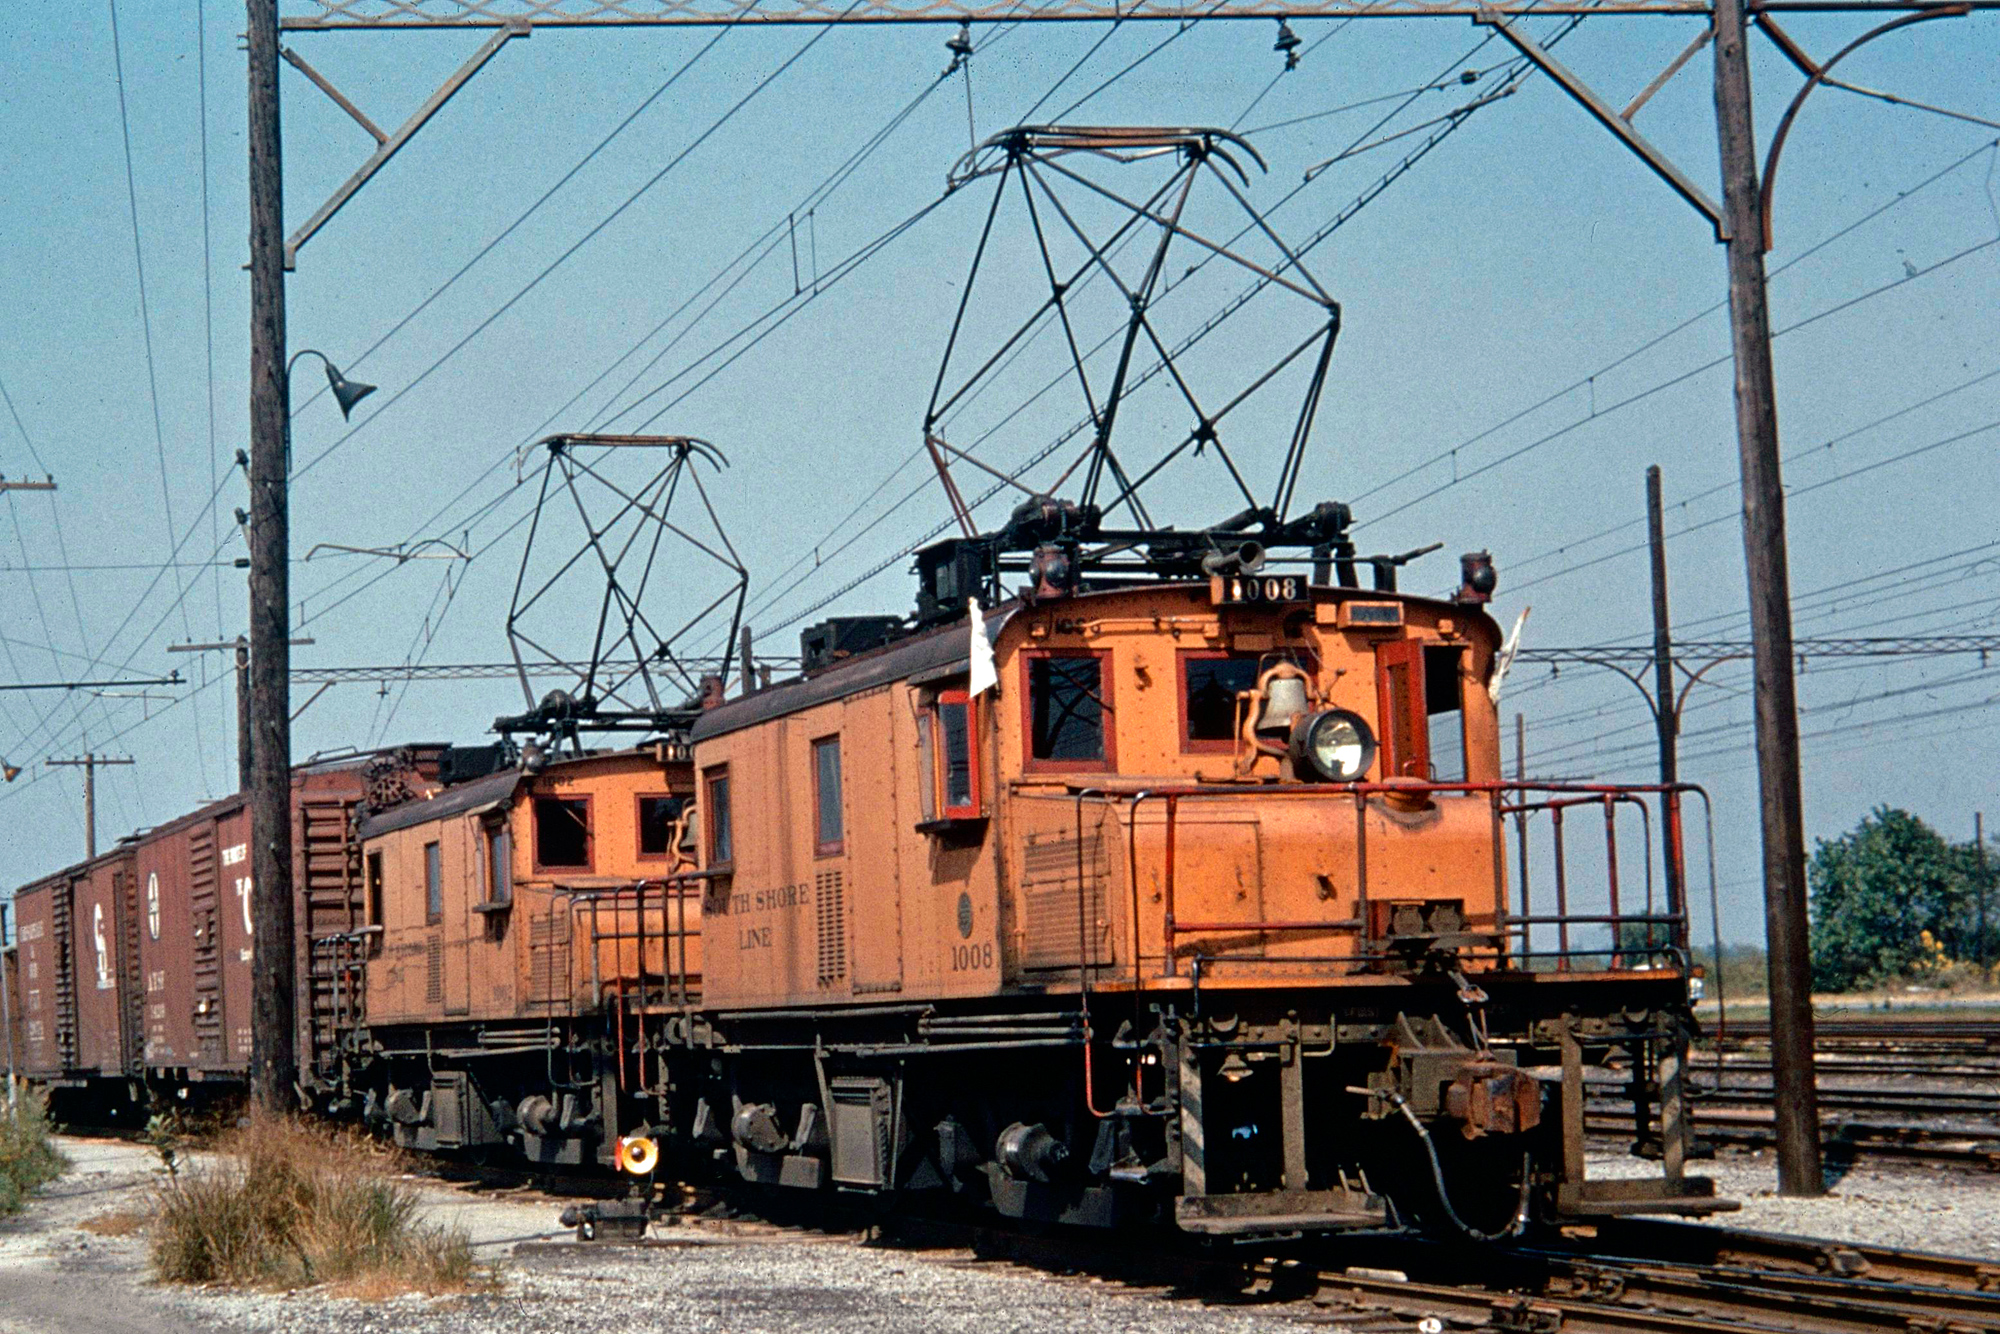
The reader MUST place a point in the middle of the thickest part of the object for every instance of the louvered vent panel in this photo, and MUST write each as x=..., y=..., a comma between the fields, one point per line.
x=830, y=914
x=1052, y=897
x=434, y=972
x=548, y=961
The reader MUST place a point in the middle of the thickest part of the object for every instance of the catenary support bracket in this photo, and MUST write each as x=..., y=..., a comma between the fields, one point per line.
x=1661, y=164
x=387, y=145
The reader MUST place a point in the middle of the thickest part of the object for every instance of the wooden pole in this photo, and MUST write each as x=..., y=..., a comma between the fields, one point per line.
x=273, y=1063
x=1794, y=1095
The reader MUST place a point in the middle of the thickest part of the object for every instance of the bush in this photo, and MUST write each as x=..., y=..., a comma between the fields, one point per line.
x=285, y=1204
x=1890, y=900
x=27, y=1157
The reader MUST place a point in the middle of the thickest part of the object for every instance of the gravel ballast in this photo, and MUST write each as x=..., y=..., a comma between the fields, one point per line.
x=754, y=1279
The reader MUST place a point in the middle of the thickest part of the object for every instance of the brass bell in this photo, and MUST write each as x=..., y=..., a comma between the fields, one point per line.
x=1284, y=701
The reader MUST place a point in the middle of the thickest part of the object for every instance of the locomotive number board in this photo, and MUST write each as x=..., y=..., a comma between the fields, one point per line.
x=1258, y=589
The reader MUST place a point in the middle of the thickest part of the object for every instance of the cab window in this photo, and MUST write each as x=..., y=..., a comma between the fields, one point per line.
x=562, y=833
x=1068, y=703
x=433, y=883
x=657, y=817
x=498, y=838
x=957, y=756
x=1210, y=682
x=721, y=840
x=828, y=835
x=1444, y=715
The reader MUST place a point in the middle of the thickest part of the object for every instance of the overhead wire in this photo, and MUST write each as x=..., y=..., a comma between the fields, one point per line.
x=146, y=327
x=1901, y=197
x=404, y=390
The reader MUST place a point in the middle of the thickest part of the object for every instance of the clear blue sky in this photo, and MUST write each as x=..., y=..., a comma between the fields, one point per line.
x=1505, y=302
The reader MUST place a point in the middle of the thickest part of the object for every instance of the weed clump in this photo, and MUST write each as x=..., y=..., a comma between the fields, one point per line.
x=285, y=1204
x=28, y=1158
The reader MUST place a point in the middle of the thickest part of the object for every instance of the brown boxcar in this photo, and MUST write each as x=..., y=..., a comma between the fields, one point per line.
x=194, y=949
x=78, y=987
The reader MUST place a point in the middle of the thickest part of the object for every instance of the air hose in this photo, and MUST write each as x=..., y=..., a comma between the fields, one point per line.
x=1513, y=1229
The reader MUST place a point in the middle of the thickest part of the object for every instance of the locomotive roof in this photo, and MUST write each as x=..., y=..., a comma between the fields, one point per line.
x=938, y=650
x=455, y=800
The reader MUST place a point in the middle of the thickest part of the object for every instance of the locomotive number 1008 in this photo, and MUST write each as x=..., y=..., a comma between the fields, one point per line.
x=1259, y=589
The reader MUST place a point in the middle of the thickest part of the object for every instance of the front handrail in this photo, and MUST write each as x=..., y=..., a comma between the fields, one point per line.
x=1517, y=799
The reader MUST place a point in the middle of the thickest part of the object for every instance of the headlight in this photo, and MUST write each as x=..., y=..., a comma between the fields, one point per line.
x=1334, y=744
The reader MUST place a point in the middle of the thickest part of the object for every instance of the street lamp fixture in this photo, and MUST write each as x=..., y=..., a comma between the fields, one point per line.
x=346, y=392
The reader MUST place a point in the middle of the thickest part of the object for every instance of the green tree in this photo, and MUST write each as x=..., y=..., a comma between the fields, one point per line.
x=1875, y=891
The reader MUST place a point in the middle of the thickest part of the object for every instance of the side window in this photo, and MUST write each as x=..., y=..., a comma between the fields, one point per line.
x=1444, y=714
x=1210, y=682
x=1068, y=705
x=721, y=843
x=562, y=833
x=374, y=887
x=657, y=817
x=498, y=839
x=828, y=832
x=958, y=756
x=433, y=883
x=1399, y=697
x=926, y=768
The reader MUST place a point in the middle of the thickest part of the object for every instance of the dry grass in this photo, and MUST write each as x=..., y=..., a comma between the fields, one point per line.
x=288, y=1205
x=117, y=1223
x=27, y=1156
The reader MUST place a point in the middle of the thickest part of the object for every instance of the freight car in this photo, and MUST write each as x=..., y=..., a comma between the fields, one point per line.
x=134, y=967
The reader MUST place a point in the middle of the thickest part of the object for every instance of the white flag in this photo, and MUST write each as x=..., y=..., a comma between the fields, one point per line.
x=983, y=675
x=1504, y=660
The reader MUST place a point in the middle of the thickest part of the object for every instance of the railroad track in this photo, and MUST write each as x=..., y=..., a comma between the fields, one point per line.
x=1636, y=1277
x=1629, y=1276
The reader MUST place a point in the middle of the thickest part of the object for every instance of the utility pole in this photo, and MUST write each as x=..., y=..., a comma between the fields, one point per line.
x=1979, y=851
x=1664, y=713
x=90, y=764
x=273, y=1062
x=241, y=647
x=1666, y=709
x=7, y=972
x=1795, y=1096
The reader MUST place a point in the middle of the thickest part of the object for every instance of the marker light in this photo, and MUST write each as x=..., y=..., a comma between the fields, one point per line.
x=1334, y=744
x=637, y=1155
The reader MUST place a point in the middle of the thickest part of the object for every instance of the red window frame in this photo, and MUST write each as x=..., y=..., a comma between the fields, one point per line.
x=492, y=835
x=828, y=847
x=1200, y=745
x=1108, y=719
x=589, y=833
x=1401, y=721
x=976, y=806
x=709, y=805
x=639, y=800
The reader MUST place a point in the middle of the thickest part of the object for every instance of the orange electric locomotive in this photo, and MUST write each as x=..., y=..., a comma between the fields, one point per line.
x=1190, y=894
